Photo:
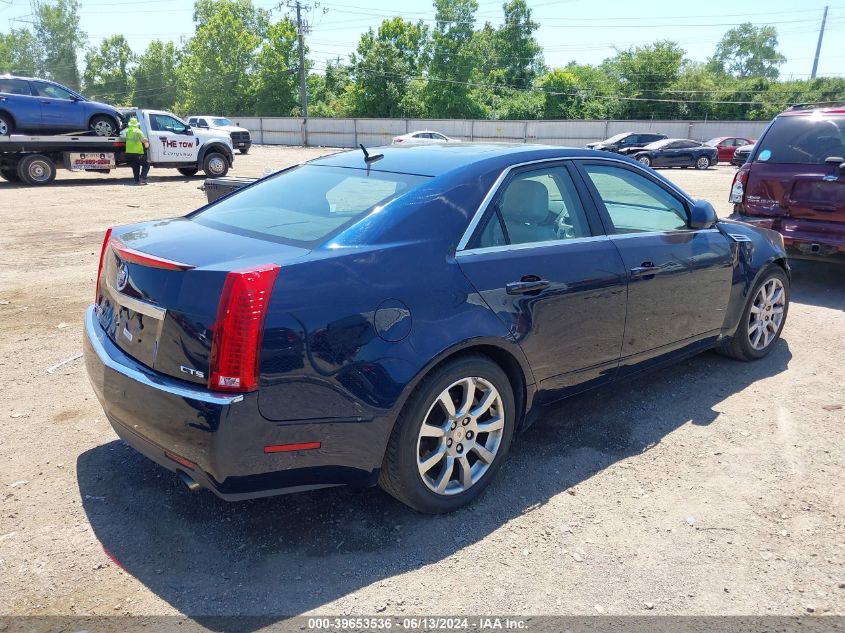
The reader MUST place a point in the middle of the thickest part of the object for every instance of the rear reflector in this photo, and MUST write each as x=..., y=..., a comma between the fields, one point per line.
x=180, y=460
x=239, y=328
x=100, y=266
x=286, y=448
x=137, y=257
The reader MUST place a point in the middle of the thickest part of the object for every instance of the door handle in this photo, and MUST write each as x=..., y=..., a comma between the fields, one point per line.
x=45, y=102
x=527, y=286
x=646, y=270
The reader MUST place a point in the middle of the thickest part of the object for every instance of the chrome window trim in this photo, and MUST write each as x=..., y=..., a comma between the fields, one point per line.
x=482, y=208
x=526, y=245
x=626, y=236
x=97, y=337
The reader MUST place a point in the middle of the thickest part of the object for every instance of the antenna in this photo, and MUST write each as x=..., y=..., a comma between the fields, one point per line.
x=369, y=158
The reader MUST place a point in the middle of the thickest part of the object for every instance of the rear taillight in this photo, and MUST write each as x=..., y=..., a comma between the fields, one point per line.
x=235, y=349
x=398, y=140
x=738, y=186
x=151, y=261
x=100, y=266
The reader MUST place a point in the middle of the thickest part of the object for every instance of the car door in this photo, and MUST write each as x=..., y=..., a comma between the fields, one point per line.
x=679, y=279
x=61, y=110
x=687, y=153
x=16, y=97
x=726, y=149
x=540, y=260
x=171, y=140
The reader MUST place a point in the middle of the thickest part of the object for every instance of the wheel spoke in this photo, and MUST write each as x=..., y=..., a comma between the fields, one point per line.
x=429, y=430
x=466, y=472
x=757, y=336
x=486, y=401
x=766, y=335
x=483, y=453
x=777, y=310
x=446, y=475
x=493, y=424
x=431, y=461
x=755, y=309
x=777, y=296
x=445, y=401
x=468, y=386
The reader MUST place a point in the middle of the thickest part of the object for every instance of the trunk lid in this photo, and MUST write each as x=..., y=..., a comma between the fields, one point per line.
x=160, y=288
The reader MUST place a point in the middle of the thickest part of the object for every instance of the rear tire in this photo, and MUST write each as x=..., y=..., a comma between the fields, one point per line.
x=215, y=165
x=187, y=171
x=7, y=126
x=759, y=328
x=702, y=163
x=36, y=170
x=10, y=174
x=460, y=462
x=104, y=125
x=644, y=160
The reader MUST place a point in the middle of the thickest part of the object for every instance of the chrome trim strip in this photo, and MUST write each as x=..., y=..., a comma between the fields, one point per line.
x=142, y=307
x=527, y=245
x=626, y=236
x=479, y=213
x=97, y=338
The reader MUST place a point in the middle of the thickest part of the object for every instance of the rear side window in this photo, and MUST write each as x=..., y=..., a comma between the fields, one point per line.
x=807, y=140
x=15, y=87
x=305, y=205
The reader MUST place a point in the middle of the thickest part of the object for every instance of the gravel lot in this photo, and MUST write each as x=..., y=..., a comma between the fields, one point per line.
x=712, y=487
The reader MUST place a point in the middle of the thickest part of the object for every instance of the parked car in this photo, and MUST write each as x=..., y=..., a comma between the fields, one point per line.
x=241, y=139
x=626, y=141
x=398, y=317
x=41, y=106
x=727, y=146
x=741, y=154
x=676, y=152
x=794, y=181
x=424, y=136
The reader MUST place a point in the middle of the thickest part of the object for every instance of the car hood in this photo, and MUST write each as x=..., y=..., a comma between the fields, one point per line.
x=212, y=135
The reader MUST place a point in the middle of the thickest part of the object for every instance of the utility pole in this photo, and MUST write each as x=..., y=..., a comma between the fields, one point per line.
x=819, y=45
x=303, y=88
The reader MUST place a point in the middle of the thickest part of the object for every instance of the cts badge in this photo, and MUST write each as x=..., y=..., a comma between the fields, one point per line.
x=122, y=276
x=191, y=371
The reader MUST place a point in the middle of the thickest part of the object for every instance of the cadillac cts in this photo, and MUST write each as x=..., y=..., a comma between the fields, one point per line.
x=397, y=318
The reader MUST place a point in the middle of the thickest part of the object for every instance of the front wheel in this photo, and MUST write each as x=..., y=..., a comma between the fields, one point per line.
x=103, y=125
x=244, y=150
x=763, y=317
x=215, y=165
x=451, y=437
x=702, y=163
x=644, y=160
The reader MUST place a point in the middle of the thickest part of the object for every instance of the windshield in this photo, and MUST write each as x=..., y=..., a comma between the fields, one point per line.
x=616, y=138
x=222, y=122
x=807, y=140
x=305, y=205
x=658, y=144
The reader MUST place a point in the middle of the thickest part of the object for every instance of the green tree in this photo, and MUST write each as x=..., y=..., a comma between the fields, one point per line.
x=449, y=92
x=749, y=51
x=107, y=75
x=18, y=53
x=218, y=62
x=644, y=75
x=58, y=37
x=383, y=65
x=327, y=92
x=518, y=54
x=156, y=78
x=277, y=71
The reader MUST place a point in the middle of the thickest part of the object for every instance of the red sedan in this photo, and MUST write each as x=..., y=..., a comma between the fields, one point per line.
x=727, y=146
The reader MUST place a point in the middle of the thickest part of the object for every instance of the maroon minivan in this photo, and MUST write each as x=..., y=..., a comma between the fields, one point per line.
x=794, y=181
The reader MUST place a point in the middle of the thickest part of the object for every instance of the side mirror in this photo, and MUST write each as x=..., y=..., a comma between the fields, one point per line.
x=703, y=215
x=188, y=130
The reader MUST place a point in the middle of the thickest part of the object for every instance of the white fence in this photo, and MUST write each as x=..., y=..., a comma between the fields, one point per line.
x=371, y=132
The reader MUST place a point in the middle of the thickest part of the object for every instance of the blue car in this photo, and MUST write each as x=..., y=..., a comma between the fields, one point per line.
x=397, y=318
x=41, y=106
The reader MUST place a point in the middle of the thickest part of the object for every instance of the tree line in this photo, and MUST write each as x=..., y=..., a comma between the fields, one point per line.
x=240, y=61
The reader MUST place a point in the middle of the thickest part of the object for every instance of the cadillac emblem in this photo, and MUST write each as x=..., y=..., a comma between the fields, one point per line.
x=122, y=276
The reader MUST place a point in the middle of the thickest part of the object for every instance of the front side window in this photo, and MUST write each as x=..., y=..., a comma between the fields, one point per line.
x=15, y=87
x=803, y=139
x=306, y=204
x=536, y=206
x=166, y=123
x=222, y=122
x=634, y=203
x=51, y=91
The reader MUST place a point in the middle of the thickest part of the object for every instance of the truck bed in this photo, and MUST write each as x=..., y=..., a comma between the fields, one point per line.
x=82, y=142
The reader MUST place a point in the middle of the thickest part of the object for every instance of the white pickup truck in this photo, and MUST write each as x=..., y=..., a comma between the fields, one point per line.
x=33, y=160
x=174, y=143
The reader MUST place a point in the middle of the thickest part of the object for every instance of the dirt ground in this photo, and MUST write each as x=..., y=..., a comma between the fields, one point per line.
x=711, y=487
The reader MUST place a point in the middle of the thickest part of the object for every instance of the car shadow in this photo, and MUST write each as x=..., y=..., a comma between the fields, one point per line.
x=282, y=556
x=123, y=179
x=818, y=283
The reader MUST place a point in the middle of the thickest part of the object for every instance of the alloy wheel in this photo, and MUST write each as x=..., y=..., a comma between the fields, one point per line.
x=103, y=128
x=460, y=436
x=4, y=128
x=766, y=316
x=703, y=163
x=216, y=165
x=644, y=160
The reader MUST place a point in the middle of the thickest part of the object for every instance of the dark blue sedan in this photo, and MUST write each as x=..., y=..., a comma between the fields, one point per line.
x=398, y=318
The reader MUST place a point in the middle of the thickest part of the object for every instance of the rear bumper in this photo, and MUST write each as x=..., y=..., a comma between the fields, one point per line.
x=803, y=238
x=221, y=436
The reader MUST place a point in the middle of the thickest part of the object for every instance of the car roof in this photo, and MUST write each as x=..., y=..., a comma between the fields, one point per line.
x=435, y=160
x=814, y=111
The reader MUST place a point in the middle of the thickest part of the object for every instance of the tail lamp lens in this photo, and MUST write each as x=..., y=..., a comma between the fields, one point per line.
x=238, y=330
x=100, y=266
x=738, y=187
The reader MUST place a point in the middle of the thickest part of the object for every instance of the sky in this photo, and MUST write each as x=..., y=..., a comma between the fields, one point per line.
x=585, y=31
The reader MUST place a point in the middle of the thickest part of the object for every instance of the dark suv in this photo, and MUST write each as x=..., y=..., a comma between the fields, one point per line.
x=794, y=181
x=626, y=141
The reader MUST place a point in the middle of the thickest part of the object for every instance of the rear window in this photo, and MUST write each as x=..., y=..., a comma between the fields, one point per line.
x=307, y=204
x=807, y=140
x=15, y=87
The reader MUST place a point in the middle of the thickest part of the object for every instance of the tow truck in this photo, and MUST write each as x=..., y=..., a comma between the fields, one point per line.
x=33, y=160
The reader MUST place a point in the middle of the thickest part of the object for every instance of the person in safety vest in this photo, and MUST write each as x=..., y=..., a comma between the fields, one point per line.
x=136, y=151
